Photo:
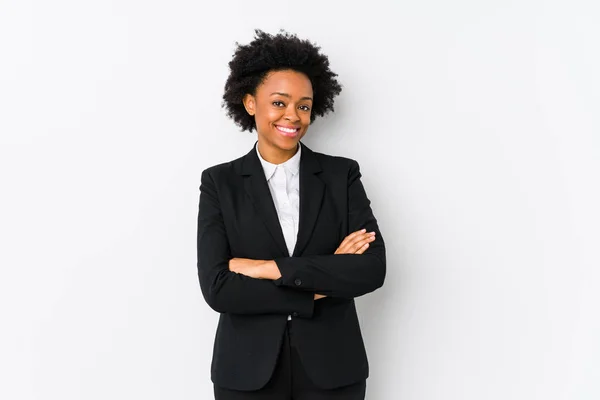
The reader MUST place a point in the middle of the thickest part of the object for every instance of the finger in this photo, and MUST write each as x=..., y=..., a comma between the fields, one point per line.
x=362, y=249
x=351, y=236
x=350, y=246
x=358, y=241
x=347, y=241
x=358, y=245
x=354, y=241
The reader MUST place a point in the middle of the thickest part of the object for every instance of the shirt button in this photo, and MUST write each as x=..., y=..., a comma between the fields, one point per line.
x=295, y=314
x=298, y=282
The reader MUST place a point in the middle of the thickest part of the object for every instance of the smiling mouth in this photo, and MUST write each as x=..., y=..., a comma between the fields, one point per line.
x=287, y=131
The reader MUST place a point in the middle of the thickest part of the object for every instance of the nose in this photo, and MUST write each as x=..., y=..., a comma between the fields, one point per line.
x=291, y=114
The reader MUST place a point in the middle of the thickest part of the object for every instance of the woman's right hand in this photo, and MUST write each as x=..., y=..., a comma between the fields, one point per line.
x=355, y=243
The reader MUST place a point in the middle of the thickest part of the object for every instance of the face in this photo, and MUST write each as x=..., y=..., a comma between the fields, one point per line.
x=281, y=107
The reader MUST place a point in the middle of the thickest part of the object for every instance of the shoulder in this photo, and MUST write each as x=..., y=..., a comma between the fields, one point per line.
x=337, y=163
x=223, y=169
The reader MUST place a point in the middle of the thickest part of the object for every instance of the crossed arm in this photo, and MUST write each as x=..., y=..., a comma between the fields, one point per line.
x=288, y=285
x=355, y=243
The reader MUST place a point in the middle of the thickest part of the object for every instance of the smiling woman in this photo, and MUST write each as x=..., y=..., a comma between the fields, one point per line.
x=286, y=237
x=281, y=106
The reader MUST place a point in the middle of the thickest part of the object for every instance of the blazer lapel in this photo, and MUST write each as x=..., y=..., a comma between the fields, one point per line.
x=258, y=192
x=312, y=189
x=311, y=196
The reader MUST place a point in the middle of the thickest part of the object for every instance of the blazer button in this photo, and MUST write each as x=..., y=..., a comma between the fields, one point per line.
x=298, y=282
x=295, y=314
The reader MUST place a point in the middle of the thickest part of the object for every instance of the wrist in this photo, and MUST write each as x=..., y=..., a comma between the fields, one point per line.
x=270, y=270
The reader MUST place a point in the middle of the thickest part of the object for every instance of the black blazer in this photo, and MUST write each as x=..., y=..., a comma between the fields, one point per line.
x=237, y=218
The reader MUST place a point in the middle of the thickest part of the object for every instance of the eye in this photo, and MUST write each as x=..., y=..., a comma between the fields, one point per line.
x=305, y=108
x=278, y=103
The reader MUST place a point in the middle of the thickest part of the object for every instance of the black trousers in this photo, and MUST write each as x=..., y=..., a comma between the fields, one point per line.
x=290, y=382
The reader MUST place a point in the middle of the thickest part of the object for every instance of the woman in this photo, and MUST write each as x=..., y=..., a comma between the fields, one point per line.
x=286, y=237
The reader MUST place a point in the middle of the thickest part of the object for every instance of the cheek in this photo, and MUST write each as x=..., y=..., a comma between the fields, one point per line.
x=263, y=117
x=268, y=111
x=306, y=119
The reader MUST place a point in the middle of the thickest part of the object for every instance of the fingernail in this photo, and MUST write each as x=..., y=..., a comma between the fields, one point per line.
x=363, y=230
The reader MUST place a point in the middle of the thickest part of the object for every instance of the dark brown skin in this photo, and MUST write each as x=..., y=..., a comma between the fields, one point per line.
x=284, y=99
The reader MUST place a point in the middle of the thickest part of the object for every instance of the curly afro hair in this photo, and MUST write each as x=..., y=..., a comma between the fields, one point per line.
x=266, y=53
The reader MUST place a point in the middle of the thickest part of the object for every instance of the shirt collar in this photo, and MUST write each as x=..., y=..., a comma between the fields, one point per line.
x=292, y=165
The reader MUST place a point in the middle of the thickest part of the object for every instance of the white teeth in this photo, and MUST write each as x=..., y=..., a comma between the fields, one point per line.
x=281, y=128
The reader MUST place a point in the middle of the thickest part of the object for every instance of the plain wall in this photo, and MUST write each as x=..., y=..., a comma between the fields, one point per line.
x=477, y=130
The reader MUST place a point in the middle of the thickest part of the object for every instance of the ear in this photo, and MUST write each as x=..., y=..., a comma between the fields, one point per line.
x=249, y=103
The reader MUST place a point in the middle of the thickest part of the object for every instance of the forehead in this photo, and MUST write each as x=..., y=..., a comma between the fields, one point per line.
x=294, y=83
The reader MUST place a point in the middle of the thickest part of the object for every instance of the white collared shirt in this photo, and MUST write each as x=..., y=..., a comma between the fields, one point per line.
x=284, y=184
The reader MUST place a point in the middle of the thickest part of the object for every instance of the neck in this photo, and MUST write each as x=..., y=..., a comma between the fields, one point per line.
x=276, y=155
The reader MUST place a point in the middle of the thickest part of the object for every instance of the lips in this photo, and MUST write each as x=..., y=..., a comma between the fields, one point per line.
x=289, y=131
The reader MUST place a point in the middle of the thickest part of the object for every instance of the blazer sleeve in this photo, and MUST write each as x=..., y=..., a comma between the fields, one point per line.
x=229, y=292
x=341, y=275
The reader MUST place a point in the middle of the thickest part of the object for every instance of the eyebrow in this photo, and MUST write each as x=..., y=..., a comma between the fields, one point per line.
x=288, y=96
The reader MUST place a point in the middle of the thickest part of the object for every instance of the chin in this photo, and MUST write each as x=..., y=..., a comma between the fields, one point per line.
x=289, y=144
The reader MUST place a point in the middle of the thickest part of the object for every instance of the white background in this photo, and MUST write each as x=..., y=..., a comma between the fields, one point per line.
x=477, y=128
